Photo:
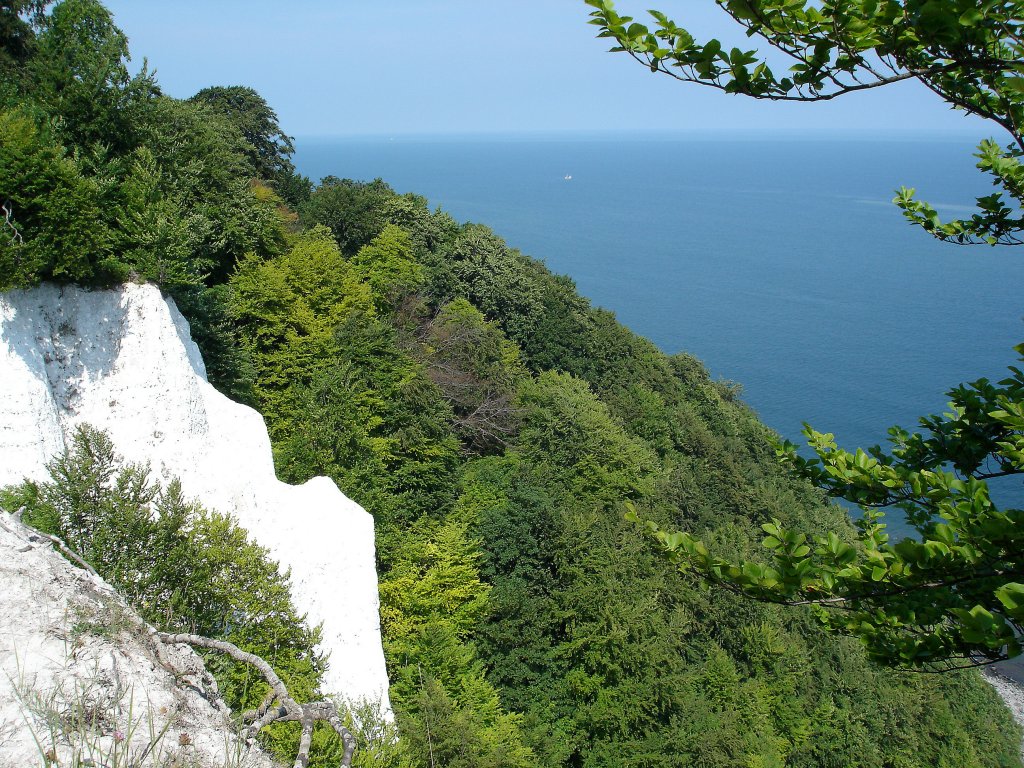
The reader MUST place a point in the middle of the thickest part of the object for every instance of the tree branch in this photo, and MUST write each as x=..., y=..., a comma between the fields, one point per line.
x=287, y=708
x=34, y=533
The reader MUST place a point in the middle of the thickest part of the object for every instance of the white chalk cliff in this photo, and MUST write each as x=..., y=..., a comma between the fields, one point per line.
x=123, y=361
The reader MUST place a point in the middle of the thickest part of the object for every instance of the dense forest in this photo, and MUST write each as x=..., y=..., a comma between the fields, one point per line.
x=493, y=422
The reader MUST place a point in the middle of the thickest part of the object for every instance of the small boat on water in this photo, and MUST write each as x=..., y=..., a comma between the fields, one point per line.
x=568, y=177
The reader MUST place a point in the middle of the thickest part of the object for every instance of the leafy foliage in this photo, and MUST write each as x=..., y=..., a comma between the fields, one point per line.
x=954, y=594
x=104, y=180
x=527, y=581
x=56, y=226
x=477, y=370
x=352, y=210
x=80, y=76
x=268, y=148
x=341, y=397
x=387, y=265
x=17, y=35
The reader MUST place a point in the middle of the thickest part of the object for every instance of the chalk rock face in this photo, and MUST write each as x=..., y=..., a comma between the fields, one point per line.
x=123, y=361
x=82, y=677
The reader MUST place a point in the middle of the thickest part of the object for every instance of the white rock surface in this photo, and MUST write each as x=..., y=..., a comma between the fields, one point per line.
x=82, y=675
x=124, y=362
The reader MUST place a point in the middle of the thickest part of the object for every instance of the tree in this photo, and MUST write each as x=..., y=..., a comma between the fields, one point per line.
x=269, y=149
x=17, y=35
x=80, y=76
x=54, y=223
x=354, y=210
x=388, y=266
x=477, y=370
x=955, y=595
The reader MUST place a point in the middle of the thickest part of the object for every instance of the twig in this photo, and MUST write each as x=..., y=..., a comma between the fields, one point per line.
x=68, y=551
x=8, y=210
x=34, y=533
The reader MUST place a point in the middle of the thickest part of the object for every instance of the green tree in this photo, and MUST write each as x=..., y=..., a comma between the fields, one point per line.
x=287, y=309
x=477, y=370
x=340, y=396
x=499, y=280
x=17, y=33
x=954, y=595
x=55, y=228
x=154, y=229
x=268, y=149
x=353, y=210
x=201, y=168
x=387, y=265
x=80, y=75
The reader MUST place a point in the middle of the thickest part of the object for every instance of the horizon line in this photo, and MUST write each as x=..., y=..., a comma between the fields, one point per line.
x=660, y=133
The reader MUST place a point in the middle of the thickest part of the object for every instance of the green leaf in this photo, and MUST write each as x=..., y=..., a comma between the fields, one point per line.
x=1012, y=597
x=971, y=17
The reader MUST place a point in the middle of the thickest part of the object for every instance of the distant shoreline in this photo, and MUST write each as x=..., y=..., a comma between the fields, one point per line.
x=1011, y=691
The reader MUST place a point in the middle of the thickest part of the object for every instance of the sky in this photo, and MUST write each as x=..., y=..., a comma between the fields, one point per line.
x=398, y=67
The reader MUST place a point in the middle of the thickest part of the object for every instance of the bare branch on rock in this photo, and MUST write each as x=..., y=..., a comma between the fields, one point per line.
x=278, y=706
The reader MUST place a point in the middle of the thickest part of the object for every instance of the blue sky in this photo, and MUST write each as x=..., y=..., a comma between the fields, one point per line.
x=392, y=67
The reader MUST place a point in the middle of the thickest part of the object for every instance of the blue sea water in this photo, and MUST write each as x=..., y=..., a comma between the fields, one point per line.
x=779, y=262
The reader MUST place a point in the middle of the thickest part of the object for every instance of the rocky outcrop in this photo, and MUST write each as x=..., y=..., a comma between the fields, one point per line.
x=123, y=361
x=84, y=681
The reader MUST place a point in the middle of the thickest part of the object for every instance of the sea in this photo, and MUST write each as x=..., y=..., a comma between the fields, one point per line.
x=778, y=260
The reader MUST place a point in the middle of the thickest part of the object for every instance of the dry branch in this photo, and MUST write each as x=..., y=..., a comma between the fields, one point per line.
x=25, y=531
x=278, y=706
